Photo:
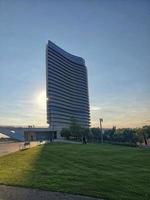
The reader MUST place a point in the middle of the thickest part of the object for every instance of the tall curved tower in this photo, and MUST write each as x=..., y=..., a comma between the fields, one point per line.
x=67, y=88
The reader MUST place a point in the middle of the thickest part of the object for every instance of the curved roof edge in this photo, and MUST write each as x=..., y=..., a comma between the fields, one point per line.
x=69, y=56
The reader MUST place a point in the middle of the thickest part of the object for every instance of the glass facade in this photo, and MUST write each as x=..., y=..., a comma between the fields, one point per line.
x=67, y=88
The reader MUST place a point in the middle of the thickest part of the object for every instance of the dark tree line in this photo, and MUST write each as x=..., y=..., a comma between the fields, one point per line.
x=75, y=132
x=126, y=136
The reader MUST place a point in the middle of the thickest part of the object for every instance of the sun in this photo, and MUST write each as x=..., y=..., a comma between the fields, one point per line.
x=41, y=99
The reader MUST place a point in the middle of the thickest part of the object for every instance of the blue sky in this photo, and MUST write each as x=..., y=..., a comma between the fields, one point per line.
x=112, y=36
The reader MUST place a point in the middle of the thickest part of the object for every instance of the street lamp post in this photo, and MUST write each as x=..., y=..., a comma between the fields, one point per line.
x=100, y=121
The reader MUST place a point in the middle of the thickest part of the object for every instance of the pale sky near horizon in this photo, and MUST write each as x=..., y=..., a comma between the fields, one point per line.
x=112, y=36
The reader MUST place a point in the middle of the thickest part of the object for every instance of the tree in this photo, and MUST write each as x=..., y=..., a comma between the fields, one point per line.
x=95, y=133
x=109, y=134
x=145, y=132
x=65, y=132
x=75, y=128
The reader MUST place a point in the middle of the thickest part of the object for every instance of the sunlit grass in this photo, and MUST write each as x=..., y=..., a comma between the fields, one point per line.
x=106, y=171
x=15, y=168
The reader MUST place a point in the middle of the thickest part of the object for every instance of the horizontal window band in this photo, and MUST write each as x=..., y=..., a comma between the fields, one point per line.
x=68, y=115
x=67, y=93
x=63, y=77
x=58, y=108
x=71, y=113
x=62, y=56
x=67, y=89
x=62, y=122
x=54, y=78
x=58, y=55
x=70, y=110
x=75, y=69
x=53, y=65
x=67, y=105
x=58, y=100
x=68, y=120
x=55, y=94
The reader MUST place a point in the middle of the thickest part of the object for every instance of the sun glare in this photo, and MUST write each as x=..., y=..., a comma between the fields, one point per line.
x=41, y=99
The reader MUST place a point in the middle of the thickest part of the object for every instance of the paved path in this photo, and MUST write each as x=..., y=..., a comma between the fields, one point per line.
x=6, y=148
x=10, y=147
x=16, y=193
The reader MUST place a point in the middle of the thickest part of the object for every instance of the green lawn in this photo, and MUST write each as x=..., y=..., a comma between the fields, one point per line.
x=106, y=171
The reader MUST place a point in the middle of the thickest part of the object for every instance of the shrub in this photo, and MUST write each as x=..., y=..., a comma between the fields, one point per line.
x=66, y=133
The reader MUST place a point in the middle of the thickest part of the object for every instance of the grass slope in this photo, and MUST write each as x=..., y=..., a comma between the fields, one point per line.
x=106, y=171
